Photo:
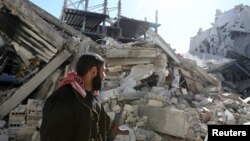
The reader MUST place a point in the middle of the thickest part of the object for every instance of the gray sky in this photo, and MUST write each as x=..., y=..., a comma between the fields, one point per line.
x=179, y=19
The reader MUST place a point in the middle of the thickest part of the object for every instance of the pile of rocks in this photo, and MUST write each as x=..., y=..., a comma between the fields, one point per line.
x=159, y=99
x=160, y=102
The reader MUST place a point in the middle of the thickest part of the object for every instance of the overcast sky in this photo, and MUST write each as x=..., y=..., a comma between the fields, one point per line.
x=179, y=19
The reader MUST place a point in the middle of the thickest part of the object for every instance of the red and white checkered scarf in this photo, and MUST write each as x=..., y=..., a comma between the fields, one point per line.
x=76, y=81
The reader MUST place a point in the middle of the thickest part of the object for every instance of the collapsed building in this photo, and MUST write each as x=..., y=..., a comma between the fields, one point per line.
x=99, y=25
x=228, y=38
x=164, y=96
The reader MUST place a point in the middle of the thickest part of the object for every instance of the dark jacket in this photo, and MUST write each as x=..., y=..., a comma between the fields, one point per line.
x=69, y=117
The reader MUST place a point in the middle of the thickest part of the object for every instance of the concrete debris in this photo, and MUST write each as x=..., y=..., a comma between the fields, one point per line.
x=168, y=121
x=166, y=96
x=155, y=103
x=24, y=120
x=132, y=52
x=179, y=106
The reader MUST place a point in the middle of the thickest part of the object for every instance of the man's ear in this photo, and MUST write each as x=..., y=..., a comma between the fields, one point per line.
x=94, y=70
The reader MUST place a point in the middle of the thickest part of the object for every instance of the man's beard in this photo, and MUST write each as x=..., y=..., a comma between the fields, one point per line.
x=96, y=83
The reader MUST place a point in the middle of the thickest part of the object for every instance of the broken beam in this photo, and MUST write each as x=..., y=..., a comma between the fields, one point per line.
x=32, y=84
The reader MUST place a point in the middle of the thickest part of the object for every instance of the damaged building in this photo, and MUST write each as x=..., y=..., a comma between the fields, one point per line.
x=228, y=38
x=99, y=25
x=160, y=96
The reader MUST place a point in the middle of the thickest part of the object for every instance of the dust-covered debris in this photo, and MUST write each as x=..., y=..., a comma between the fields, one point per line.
x=165, y=96
x=227, y=45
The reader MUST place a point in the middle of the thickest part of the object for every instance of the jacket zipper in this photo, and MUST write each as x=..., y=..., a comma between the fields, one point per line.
x=91, y=113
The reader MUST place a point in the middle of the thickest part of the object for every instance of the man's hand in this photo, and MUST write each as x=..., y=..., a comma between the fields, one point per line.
x=117, y=131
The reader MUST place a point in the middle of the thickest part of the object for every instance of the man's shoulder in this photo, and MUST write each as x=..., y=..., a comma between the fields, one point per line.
x=62, y=97
x=67, y=87
x=65, y=91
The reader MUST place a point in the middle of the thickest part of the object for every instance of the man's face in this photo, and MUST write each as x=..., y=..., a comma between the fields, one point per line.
x=98, y=79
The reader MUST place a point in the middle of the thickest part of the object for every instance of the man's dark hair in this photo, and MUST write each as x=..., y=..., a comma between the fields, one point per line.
x=87, y=61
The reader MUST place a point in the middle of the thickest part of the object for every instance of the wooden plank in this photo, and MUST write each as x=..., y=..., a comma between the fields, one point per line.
x=32, y=84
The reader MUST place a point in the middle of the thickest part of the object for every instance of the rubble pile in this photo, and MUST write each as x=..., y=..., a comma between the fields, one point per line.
x=158, y=94
x=228, y=38
x=158, y=100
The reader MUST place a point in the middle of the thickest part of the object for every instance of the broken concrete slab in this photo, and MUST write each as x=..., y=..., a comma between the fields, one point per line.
x=130, y=96
x=26, y=89
x=165, y=46
x=132, y=52
x=139, y=72
x=167, y=121
x=108, y=94
x=128, y=61
x=160, y=61
x=191, y=66
x=116, y=68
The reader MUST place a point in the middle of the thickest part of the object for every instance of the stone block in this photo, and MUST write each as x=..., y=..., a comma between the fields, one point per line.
x=155, y=103
x=130, y=96
x=167, y=121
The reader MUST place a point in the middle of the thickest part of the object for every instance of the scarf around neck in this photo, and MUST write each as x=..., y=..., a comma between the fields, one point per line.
x=76, y=81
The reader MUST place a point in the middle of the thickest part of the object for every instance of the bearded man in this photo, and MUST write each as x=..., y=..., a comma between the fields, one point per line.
x=73, y=112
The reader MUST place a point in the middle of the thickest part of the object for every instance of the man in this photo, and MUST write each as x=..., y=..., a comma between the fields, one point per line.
x=72, y=112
